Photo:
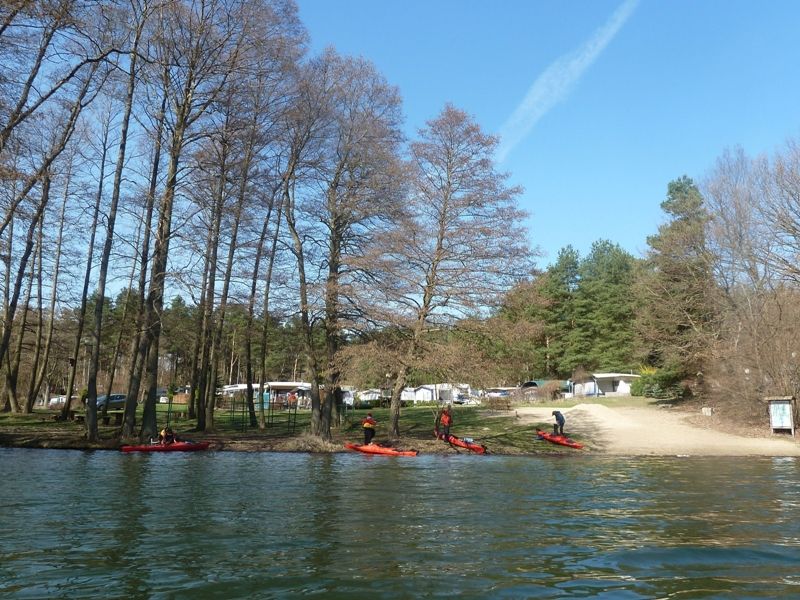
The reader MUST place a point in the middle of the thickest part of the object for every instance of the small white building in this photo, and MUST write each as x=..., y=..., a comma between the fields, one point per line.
x=369, y=396
x=408, y=394
x=446, y=393
x=276, y=392
x=605, y=384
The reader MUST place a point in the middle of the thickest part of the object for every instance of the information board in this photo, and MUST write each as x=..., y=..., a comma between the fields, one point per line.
x=781, y=415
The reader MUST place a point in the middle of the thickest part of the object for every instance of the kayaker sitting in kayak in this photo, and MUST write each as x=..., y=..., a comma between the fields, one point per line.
x=368, y=424
x=558, y=427
x=167, y=436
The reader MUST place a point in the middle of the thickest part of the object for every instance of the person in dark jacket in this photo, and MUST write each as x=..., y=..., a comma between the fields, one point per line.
x=558, y=428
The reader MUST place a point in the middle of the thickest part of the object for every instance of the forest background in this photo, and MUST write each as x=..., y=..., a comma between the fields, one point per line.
x=190, y=198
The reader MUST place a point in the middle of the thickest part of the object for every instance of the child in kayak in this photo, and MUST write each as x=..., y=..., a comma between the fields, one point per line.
x=368, y=424
x=167, y=436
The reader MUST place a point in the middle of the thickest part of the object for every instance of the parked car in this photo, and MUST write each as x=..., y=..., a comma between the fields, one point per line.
x=114, y=401
x=466, y=400
x=57, y=402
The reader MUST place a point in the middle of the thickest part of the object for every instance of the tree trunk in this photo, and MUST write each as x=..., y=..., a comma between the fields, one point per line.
x=137, y=357
x=226, y=282
x=199, y=343
x=245, y=179
x=39, y=376
x=155, y=297
x=4, y=397
x=10, y=312
x=37, y=352
x=215, y=324
x=248, y=342
x=332, y=333
x=12, y=372
x=86, y=279
x=118, y=345
x=307, y=334
x=105, y=257
x=394, y=405
x=206, y=387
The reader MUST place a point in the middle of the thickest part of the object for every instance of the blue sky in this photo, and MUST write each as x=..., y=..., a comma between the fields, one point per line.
x=602, y=102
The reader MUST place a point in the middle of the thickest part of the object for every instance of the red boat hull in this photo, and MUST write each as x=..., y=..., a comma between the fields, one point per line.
x=561, y=440
x=455, y=441
x=375, y=449
x=174, y=447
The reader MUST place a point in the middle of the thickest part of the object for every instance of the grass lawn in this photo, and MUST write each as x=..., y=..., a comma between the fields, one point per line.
x=500, y=430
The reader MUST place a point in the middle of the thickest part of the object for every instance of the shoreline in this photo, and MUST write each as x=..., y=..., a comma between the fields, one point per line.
x=604, y=430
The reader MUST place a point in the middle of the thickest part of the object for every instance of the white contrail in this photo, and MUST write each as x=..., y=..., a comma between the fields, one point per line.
x=558, y=79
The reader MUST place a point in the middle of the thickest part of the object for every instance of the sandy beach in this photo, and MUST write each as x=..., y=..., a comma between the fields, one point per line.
x=637, y=431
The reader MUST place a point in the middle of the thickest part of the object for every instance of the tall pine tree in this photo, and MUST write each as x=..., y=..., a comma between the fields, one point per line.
x=558, y=288
x=602, y=335
x=677, y=323
x=542, y=309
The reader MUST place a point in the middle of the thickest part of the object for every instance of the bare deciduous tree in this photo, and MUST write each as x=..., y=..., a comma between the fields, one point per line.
x=458, y=249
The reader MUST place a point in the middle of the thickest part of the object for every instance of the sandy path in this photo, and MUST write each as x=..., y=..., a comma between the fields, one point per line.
x=656, y=431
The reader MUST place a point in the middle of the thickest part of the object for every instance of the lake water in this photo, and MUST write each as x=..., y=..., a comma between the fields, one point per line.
x=267, y=525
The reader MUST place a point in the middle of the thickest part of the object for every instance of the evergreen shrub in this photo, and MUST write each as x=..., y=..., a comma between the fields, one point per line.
x=663, y=384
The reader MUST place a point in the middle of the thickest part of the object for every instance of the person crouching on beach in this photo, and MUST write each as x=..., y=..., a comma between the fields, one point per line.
x=558, y=427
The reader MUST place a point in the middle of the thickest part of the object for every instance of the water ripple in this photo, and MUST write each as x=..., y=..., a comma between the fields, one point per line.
x=219, y=525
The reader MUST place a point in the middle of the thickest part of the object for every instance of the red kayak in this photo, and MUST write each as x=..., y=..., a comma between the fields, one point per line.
x=375, y=449
x=173, y=447
x=461, y=443
x=558, y=439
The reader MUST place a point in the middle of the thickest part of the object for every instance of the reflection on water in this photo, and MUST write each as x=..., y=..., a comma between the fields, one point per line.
x=229, y=525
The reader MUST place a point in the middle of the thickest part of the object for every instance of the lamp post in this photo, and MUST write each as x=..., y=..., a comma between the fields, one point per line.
x=388, y=393
x=747, y=382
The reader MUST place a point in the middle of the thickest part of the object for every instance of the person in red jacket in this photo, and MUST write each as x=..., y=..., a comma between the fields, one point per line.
x=368, y=424
x=445, y=421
